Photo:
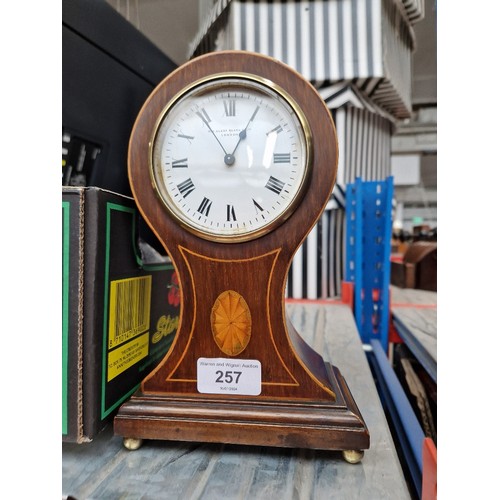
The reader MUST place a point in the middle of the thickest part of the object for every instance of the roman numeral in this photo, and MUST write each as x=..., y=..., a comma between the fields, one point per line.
x=275, y=185
x=230, y=107
x=281, y=157
x=277, y=129
x=204, y=116
x=231, y=214
x=184, y=136
x=205, y=206
x=186, y=187
x=258, y=208
x=180, y=163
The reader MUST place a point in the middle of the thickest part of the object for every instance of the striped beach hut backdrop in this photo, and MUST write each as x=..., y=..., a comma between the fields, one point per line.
x=368, y=42
x=364, y=139
x=357, y=53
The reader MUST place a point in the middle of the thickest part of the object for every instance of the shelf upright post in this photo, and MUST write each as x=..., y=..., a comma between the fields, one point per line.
x=368, y=247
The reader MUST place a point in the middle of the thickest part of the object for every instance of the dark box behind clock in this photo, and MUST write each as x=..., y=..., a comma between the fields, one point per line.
x=109, y=68
x=120, y=314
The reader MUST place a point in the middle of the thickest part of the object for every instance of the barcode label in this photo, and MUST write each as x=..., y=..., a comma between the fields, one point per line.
x=129, y=309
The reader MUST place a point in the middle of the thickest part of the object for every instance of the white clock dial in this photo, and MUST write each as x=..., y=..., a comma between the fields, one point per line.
x=230, y=157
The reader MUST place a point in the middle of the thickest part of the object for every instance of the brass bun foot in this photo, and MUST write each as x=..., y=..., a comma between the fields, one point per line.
x=353, y=456
x=132, y=443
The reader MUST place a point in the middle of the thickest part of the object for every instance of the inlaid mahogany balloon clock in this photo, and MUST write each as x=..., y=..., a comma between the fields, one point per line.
x=231, y=162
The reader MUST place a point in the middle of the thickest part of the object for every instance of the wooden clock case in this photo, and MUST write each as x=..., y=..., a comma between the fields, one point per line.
x=304, y=401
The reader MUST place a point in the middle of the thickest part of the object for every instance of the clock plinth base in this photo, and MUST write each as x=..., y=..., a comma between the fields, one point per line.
x=262, y=422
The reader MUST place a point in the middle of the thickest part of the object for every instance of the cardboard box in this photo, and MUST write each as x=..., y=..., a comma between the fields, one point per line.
x=120, y=314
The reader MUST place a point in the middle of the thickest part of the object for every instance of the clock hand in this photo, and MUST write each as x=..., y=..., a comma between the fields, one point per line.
x=229, y=158
x=206, y=121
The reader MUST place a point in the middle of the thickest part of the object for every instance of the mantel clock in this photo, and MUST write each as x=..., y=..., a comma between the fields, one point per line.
x=232, y=160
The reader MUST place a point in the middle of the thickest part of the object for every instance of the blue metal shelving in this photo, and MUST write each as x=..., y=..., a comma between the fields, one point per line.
x=409, y=433
x=368, y=247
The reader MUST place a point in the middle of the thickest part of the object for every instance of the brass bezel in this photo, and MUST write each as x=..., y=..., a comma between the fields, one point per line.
x=164, y=195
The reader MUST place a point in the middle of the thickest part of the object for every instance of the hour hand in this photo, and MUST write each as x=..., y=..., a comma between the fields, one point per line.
x=243, y=133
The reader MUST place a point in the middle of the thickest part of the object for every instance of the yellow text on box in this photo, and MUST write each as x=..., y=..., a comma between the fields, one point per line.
x=127, y=355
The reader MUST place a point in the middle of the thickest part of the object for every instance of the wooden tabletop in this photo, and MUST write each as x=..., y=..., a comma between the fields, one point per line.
x=104, y=469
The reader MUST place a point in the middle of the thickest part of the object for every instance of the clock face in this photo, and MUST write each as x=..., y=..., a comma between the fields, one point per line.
x=230, y=157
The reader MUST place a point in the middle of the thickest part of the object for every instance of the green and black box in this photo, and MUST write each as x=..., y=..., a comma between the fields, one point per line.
x=120, y=310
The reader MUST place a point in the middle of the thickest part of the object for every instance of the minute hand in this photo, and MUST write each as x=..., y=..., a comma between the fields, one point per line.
x=205, y=121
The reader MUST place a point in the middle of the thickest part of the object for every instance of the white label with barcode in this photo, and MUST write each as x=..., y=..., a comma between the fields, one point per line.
x=229, y=376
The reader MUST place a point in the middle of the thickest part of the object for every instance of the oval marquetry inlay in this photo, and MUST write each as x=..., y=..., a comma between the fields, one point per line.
x=231, y=323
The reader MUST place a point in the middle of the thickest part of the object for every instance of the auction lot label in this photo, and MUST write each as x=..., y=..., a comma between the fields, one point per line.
x=229, y=376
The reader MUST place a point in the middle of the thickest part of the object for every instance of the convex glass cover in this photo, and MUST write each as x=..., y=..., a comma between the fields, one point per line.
x=230, y=156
